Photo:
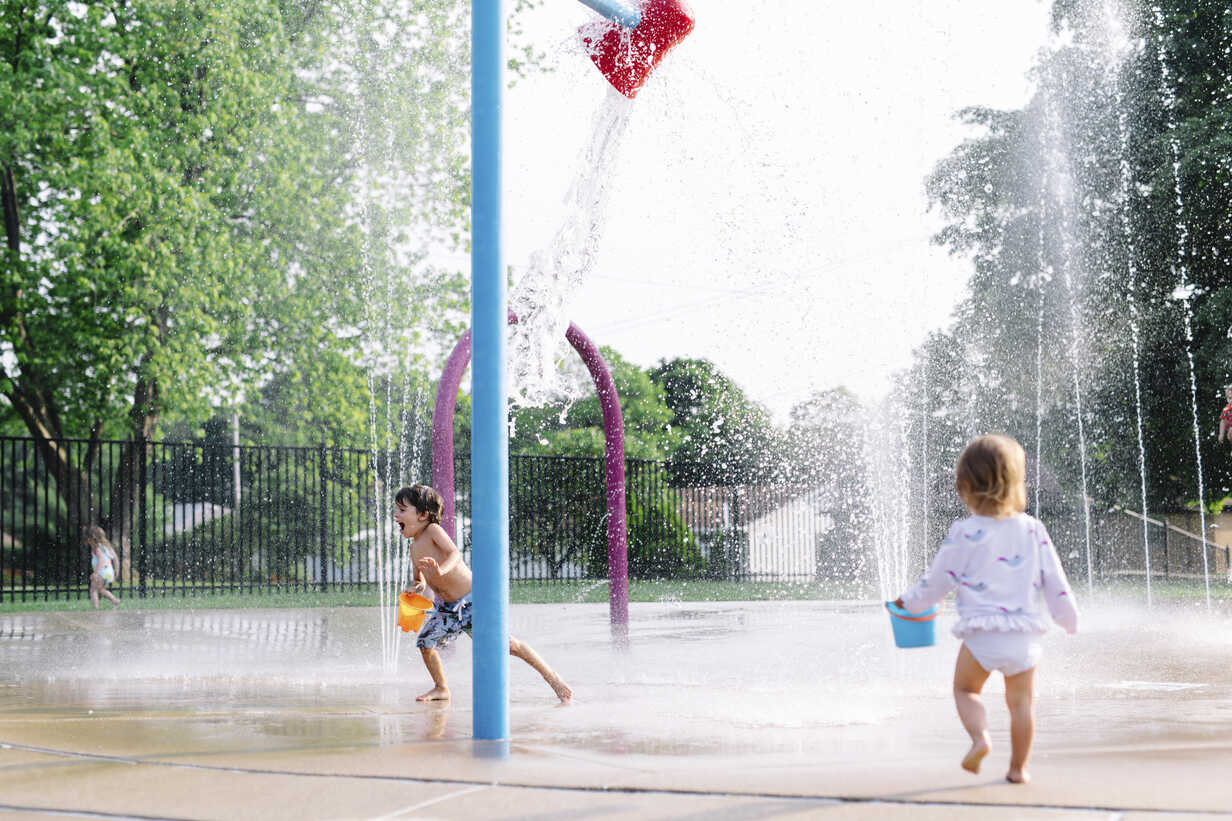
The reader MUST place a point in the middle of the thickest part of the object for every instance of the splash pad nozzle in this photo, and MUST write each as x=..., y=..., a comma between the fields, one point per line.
x=628, y=46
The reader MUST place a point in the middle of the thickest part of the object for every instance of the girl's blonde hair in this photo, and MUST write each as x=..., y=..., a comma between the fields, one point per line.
x=991, y=476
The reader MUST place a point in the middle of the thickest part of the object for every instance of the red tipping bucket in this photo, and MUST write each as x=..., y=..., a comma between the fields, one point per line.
x=627, y=56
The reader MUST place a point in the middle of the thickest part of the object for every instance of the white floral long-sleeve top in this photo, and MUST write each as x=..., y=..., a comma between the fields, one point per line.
x=1001, y=569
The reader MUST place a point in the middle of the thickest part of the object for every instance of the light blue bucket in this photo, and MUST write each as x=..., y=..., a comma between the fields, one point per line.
x=914, y=629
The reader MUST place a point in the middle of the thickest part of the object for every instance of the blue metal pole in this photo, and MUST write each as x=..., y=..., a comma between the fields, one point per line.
x=616, y=12
x=489, y=434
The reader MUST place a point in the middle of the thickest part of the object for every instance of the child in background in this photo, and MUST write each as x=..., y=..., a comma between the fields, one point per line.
x=438, y=564
x=1225, y=418
x=1001, y=561
x=103, y=562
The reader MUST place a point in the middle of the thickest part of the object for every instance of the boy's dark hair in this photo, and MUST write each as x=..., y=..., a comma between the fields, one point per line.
x=424, y=499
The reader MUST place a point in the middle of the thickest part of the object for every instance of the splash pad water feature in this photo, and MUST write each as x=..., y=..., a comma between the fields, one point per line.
x=1065, y=257
x=735, y=706
x=825, y=711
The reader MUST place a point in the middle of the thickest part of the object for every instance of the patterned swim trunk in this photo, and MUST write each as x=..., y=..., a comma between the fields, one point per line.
x=445, y=623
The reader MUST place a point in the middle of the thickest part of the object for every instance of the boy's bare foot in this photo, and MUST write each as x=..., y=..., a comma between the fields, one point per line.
x=435, y=694
x=563, y=691
x=1018, y=776
x=975, y=756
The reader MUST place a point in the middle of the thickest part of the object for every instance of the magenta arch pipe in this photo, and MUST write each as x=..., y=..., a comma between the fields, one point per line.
x=613, y=456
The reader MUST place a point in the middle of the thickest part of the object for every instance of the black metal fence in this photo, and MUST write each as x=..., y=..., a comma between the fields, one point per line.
x=1128, y=545
x=1109, y=544
x=183, y=517
x=191, y=518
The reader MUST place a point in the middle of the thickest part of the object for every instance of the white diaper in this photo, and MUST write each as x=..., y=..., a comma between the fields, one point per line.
x=1010, y=652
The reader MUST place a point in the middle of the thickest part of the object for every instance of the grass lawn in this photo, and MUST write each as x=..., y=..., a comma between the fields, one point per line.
x=519, y=593
x=1187, y=591
x=1170, y=592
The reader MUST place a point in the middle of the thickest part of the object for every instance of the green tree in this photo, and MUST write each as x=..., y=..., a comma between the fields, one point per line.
x=1082, y=213
x=725, y=438
x=188, y=193
x=576, y=428
x=138, y=195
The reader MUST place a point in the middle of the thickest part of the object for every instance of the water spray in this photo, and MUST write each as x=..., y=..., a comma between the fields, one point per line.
x=626, y=50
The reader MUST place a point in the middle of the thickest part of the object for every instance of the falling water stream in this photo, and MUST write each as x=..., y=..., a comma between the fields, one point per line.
x=1182, y=273
x=1075, y=361
x=1113, y=17
x=887, y=460
x=903, y=524
x=541, y=295
x=971, y=426
x=394, y=437
x=926, y=548
x=390, y=470
x=1040, y=282
x=1055, y=156
x=391, y=463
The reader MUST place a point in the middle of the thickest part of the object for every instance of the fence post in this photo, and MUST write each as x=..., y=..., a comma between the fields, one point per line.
x=142, y=564
x=1166, y=560
x=321, y=498
x=736, y=557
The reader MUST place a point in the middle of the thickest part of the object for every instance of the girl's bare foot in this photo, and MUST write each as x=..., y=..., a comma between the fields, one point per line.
x=975, y=756
x=435, y=694
x=563, y=691
x=1018, y=776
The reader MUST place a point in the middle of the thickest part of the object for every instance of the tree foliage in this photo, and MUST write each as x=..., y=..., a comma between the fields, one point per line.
x=725, y=438
x=1096, y=219
x=212, y=205
x=575, y=428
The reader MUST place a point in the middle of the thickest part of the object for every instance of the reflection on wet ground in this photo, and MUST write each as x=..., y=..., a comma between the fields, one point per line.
x=768, y=684
x=732, y=677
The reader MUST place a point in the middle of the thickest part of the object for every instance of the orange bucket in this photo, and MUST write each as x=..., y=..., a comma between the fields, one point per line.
x=413, y=609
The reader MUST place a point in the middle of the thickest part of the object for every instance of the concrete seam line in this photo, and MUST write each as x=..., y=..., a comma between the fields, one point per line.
x=627, y=789
x=431, y=801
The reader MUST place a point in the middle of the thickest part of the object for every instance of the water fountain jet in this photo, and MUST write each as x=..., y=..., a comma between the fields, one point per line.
x=1181, y=269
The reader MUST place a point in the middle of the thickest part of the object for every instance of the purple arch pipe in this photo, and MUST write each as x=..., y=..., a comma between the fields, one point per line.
x=614, y=455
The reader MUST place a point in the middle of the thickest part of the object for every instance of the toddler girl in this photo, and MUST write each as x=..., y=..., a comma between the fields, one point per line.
x=103, y=561
x=1000, y=560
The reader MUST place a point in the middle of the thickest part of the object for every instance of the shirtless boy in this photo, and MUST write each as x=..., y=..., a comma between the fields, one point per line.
x=438, y=564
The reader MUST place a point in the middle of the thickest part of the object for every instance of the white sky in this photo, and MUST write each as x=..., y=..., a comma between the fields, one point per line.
x=767, y=208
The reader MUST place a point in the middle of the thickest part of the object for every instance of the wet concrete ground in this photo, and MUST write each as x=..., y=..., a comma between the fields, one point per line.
x=714, y=710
